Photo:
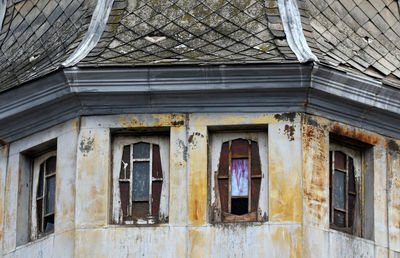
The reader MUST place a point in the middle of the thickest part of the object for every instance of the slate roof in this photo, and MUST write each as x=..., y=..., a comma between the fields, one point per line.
x=357, y=35
x=37, y=35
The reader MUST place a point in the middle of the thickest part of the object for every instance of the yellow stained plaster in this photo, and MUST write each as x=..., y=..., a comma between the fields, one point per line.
x=197, y=202
x=285, y=200
x=215, y=119
x=154, y=120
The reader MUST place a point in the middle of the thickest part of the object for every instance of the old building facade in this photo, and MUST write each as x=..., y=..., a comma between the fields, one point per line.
x=199, y=128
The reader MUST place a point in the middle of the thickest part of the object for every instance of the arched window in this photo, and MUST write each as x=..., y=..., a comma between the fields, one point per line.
x=43, y=195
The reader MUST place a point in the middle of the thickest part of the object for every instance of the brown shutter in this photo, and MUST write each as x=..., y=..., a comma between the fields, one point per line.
x=223, y=176
x=255, y=176
x=124, y=187
x=156, y=181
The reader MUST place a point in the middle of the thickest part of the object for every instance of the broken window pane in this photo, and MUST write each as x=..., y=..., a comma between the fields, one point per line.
x=125, y=163
x=339, y=190
x=141, y=180
x=50, y=194
x=239, y=206
x=49, y=223
x=141, y=150
x=240, y=177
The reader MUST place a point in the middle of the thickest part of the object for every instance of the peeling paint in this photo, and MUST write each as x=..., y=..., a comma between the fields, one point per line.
x=86, y=145
x=289, y=131
x=286, y=117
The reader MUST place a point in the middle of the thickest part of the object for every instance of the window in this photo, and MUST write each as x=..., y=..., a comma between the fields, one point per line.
x=239, y=177
x=43, y=195
x=351, y=188
x=140, y=179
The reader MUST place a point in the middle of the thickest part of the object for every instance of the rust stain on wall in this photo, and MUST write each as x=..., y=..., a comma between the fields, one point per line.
x=198, y=178
x=289, y=131
x=315, y=174
x=355, y=133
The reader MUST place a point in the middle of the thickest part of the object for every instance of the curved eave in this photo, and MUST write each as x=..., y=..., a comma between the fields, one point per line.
x=272, y=88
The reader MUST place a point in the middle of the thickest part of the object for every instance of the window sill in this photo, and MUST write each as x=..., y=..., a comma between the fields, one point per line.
x=346, y=233
x=42, y=238
x=232, y=218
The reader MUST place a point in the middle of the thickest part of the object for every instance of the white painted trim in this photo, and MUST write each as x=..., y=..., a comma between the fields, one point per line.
x=290, y=16
x=93, y=35
x=3, y=8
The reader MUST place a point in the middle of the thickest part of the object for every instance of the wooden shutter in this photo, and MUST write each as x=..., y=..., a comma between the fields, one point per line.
x=223, y=176
x=157, y=180
x=255, y=176
x=352, y=192
x=124, y=183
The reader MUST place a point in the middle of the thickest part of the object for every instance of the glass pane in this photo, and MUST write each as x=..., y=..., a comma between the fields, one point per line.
x=50, y=165
x=240, y=177
x=141, y=177
x=50, y=194
x=40, y=183
x=49, y=223
x=141, y=150
x=339, y=218
x=339, y=190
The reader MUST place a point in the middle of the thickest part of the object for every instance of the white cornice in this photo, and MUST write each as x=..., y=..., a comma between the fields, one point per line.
x=291, y=21
x=93, y=35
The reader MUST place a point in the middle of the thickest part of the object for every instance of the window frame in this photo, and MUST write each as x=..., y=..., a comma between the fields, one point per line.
x=119, y=141
x=217, y=139
x=358, y=218
x=36, y=163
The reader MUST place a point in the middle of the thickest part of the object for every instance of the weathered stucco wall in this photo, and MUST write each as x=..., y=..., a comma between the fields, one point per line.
x=298, y=174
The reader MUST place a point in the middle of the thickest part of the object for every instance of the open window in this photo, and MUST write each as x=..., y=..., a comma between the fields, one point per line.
x=351, y=187
x=239, y=177
x=43, y=195
x=140, y=179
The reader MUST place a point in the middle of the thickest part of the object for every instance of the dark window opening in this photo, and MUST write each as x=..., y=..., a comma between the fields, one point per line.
x=239, y=206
